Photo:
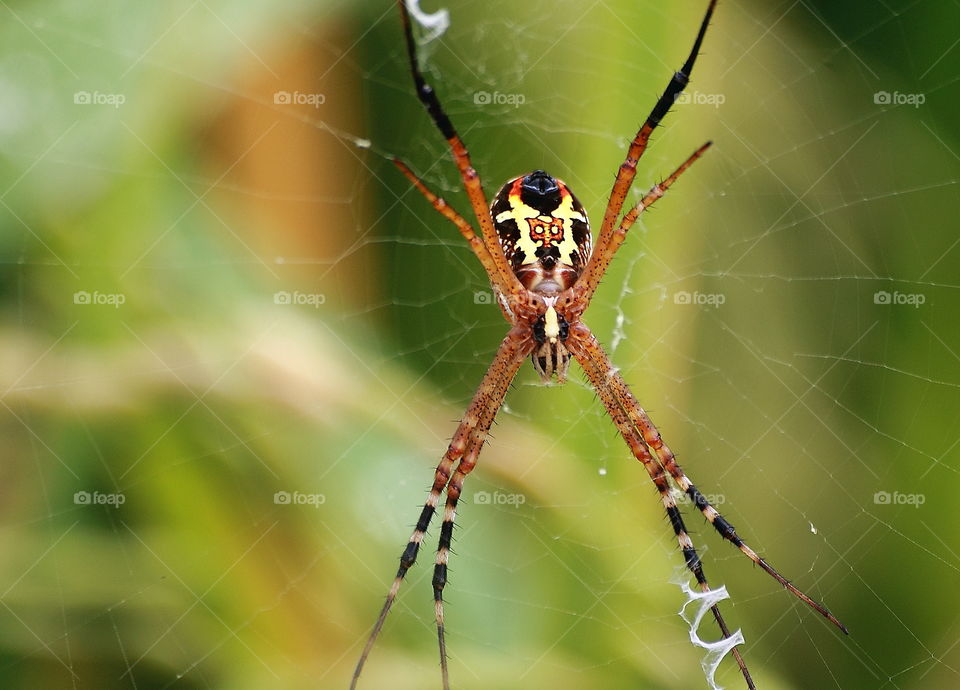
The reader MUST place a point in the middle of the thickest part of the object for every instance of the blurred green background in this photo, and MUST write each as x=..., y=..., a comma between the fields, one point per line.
x=234, y=343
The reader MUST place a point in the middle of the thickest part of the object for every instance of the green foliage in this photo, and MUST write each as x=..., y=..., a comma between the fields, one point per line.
x=233, y=343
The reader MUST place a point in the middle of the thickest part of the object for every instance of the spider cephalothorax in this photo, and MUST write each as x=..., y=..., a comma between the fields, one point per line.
x=535, y=247
x=550, y=333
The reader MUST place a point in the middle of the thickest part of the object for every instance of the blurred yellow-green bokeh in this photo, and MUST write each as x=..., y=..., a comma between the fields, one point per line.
x=234, y=343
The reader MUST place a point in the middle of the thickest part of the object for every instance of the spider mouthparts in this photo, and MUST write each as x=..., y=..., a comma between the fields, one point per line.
x=550, y=359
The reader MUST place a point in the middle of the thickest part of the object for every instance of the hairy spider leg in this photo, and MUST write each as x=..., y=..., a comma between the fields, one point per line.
x=587, y=284
x=506, y=280
x=586, y=349
x=466, y=442
x=589, y=354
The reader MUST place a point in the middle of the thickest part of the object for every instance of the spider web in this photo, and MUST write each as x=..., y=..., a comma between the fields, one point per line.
x=236, y=343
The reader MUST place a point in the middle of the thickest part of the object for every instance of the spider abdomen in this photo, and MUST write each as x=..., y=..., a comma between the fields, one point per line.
x=543, y=230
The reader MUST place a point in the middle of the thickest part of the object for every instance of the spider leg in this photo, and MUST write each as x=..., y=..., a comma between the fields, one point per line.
x=603, y=254
x=506, y=280
x=493, y=390
x=591, y=351
x=628, y=169
x=584, y=347
x=476, y=244
x=466, y=442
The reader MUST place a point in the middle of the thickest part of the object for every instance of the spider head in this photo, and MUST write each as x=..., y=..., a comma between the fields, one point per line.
x=550, y=331
x=543, y=231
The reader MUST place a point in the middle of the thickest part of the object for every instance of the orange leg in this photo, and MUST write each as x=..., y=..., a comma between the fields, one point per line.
x=628, y=169
x=596, y=363
x=465, y=446
x=476, y=244
x=461, y=157
x=586, y=350
x=603, y=255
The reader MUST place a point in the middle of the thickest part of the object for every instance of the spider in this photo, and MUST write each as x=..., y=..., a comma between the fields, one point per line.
x=535, y=246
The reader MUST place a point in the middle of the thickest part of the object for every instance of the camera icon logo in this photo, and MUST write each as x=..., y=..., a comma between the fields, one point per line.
x=482, y=498
x=282, y=498
x=882, y=297
x=882, y=98
x=882, y=498
x=482, y=98
x=82, y=498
